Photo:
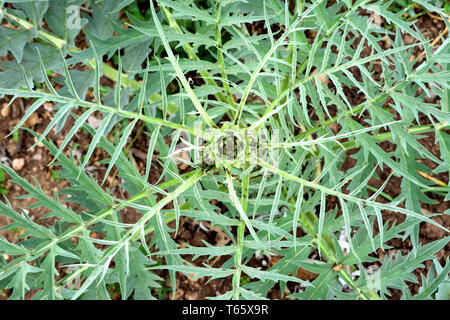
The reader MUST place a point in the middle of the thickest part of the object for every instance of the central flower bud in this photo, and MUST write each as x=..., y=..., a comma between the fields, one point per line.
x=229, y=146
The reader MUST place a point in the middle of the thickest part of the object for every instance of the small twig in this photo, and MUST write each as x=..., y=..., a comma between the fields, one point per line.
x=428, y=177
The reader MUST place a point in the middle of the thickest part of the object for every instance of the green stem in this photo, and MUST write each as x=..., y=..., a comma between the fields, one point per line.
x=112, y=74
x=37, y=252
x=191, y=54
x=100, y=107
x=384, y=195
x=307, y=221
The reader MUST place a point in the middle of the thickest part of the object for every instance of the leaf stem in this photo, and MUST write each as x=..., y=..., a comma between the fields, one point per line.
x=57, y=42
x=173, y=60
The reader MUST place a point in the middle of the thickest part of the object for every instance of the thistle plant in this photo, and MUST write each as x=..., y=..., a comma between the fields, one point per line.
x=257, y=126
